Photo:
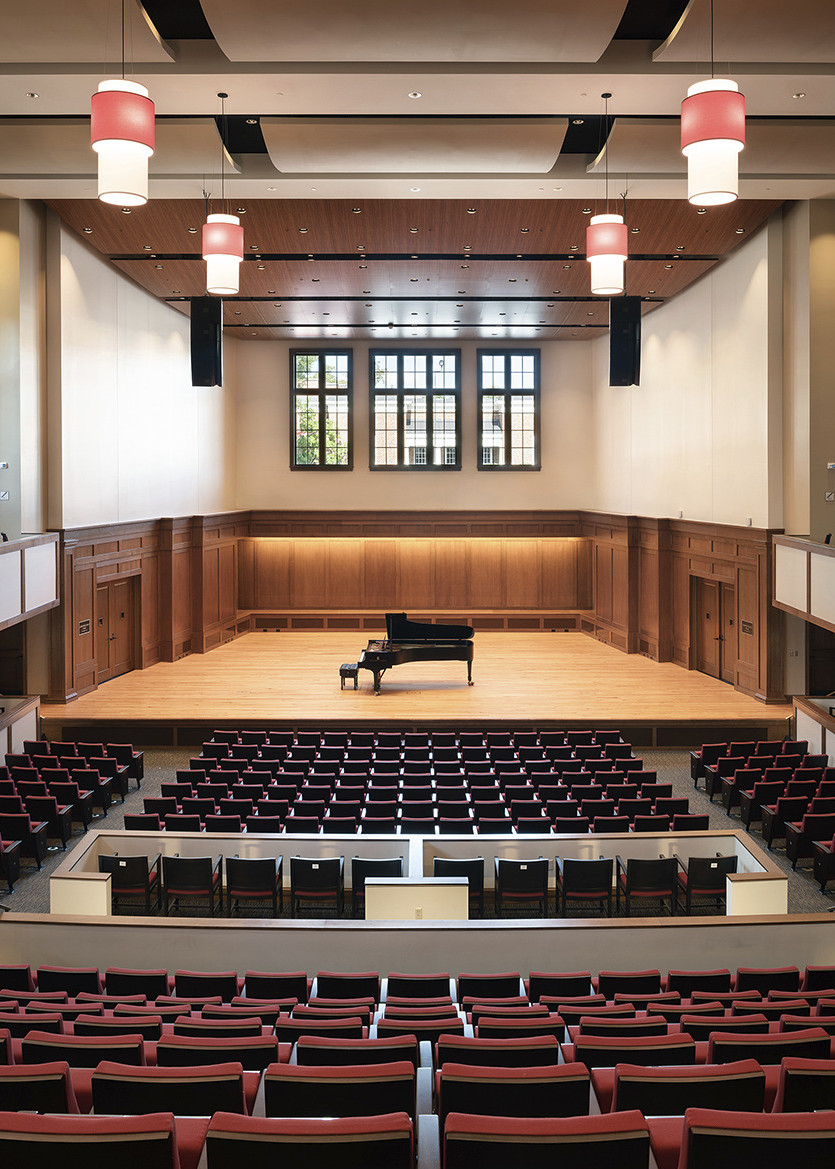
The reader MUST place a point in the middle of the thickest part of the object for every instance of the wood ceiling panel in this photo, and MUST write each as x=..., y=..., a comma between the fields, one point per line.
x=435, y=30
x=383, y=226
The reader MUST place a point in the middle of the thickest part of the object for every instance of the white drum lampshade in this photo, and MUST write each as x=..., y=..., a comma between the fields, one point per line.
x=223, y=251
x=712, y=135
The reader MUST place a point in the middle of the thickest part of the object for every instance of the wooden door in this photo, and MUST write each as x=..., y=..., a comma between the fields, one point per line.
x=727, y=646
x=114, y=629
x=706, y=626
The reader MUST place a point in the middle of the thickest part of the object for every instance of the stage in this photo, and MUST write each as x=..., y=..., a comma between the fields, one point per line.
x=521, y=679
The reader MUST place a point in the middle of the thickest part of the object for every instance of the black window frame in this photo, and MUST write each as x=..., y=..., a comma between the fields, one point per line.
x=322, y=392
x=509, y=394
x=400, y=392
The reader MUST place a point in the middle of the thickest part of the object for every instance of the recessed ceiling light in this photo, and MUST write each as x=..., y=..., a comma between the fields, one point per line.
x=237, y=312
x=241, y=210
x=635, y=230
x=794, y=95
x=471, y=210
x=270, y=188
x=360, y=247
x=303, y=230
x=413, y=314
x=511, y=280
x=325, y=314
x=740, y=230
x=415, y=93
x=587, y=210
x=465, y=265
x=363, y=265
x=366, y=292
x=679, y=248
x=467, y=248
x=652, y=292
x=413, y=279
x=413, y=230
x=577, y=121
x=192, y=231
x=31, y=93
x=356, y=210
x=590, y=314
x=252, y=121
x=270, y=292
x=147, y=247
x=524, y=229
x=574, y=247
x=368, y=304
x=550, y=306
x=276, y=305
x=414, y=189
x=462, y=292
x=176, y=291
x=158, y=267
x=702, y=211
x=566, y=265
x=87, y=230
x=502, y=314
x=262, y=267
x=254, y=248
x=126, y=210
x=315, y=280
x=668, y=266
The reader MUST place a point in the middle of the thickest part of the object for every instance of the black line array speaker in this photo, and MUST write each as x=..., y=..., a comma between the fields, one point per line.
x=625, y=341
x=206, y=341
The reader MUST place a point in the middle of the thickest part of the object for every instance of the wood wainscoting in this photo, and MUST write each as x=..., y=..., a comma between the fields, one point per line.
x=625, y=580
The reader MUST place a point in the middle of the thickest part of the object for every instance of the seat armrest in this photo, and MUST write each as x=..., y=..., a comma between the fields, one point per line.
x=424, y=1091
x=428, y=1141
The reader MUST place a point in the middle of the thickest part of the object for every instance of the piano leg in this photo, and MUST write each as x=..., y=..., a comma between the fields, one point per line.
x=469, y=673
x=377, y=676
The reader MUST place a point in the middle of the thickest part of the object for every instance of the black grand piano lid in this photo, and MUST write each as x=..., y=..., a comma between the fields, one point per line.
x=400, y=628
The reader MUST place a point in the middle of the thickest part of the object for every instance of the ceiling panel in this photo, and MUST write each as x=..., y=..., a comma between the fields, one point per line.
x=81, y=31
x=768, y=30
x=61, y=146
x=779, y=146
x=505, y=227
x=414, y=145
x=435, y=30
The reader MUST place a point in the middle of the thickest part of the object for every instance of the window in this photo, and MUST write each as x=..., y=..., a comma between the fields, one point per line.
x=321, y=409
x=415, y=414
x=508, y=410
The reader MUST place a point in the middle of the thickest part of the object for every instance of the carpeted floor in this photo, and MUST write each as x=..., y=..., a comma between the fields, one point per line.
x=31, y=893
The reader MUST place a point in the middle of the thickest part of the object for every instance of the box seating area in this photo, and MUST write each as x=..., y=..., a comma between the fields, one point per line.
x=417, y=783
x=427, y=1069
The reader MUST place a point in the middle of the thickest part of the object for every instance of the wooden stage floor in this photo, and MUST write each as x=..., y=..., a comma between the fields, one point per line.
x=269, y=679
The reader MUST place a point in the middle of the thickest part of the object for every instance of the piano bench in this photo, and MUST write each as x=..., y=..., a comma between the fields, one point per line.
x=348, y=670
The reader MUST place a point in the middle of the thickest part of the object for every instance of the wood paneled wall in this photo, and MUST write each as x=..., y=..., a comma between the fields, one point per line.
x=399, y=573
x=643, y=580
x=630, y=577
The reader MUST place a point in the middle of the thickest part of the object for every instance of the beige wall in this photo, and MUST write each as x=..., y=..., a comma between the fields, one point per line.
x=260, y=376
x=697, y=436
x=135, y=439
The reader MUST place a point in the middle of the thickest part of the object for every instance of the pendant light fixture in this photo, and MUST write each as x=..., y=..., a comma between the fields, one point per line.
x=606, y=239
x=712, y=135
x=122, y=134
x=223, y=236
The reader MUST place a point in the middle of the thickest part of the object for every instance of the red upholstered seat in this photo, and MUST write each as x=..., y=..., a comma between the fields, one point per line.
x=44, y=1087
x=96, y=1142
x=584, y=1142
x=328, y=1143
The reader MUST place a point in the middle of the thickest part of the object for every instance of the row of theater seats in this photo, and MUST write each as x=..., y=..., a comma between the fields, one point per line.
x=700, y=1138
x=582, y=1087
x=169, y=882
x=52, y=785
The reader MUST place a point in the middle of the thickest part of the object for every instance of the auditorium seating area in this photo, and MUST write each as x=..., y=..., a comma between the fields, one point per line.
x=425, y=783
x=483, y=1067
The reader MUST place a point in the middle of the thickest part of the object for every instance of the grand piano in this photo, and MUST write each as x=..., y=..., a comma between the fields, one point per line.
x=417, y=641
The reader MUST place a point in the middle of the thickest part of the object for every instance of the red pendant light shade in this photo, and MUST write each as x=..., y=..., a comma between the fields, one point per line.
x=606, y=250
x=712, y=135
x=122, y=134
x=223, y=251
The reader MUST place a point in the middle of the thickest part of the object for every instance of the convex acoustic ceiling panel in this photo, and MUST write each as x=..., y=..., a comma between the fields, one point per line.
x=78, y=31
x=61, y=146
x=776, y=146
x=434, y=30
x=414, y=145
x=768, y=30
